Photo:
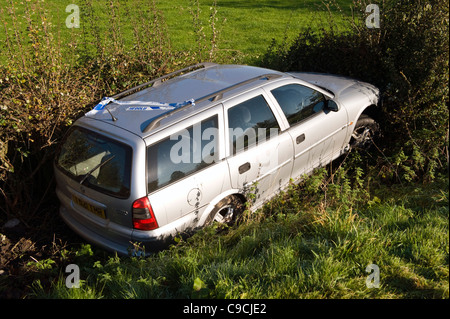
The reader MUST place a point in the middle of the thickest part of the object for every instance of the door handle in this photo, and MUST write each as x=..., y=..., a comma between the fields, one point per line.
x=244, y=167
x=300, y=138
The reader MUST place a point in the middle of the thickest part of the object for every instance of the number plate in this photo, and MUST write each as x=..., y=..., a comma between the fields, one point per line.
x=91, y=208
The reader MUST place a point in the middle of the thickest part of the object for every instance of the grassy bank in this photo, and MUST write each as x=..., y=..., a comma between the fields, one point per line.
x=307, y=243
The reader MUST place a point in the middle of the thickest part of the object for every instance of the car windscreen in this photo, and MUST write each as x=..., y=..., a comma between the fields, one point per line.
x=96, y=161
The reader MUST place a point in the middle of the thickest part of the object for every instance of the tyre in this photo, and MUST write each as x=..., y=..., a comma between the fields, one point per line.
x=226, y=211
x=366, y=129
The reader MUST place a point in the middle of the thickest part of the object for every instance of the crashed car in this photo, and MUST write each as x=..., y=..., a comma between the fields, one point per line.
x=183, y=151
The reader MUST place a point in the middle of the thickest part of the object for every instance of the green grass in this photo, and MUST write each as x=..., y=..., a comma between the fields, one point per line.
x=318, y=251
x=248, y=27
x=242, y=29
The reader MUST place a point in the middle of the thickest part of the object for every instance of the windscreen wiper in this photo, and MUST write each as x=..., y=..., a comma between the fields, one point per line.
x=95, y=168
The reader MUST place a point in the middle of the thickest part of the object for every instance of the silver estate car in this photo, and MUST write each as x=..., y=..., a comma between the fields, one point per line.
x=182, y=151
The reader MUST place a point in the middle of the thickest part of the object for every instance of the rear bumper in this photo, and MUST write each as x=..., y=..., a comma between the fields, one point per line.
x=104, y=233
x=112, y=240
x=116, y=238
x=85, y=229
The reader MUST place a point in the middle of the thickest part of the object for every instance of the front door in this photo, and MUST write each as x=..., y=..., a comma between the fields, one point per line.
x=317, y=132
x=259, y=154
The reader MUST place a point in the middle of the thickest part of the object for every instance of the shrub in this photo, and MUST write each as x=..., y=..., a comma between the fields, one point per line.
x=407, y=58
x=55, y=74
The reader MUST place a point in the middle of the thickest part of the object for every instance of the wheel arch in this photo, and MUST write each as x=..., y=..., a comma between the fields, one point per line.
x=215, y=201
x=371, y=110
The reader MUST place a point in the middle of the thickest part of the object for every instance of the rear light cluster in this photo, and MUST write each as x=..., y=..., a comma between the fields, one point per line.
x=143, y=216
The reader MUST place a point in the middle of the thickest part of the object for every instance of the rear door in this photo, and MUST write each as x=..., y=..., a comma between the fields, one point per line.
x=185, y=167
x=259, y=153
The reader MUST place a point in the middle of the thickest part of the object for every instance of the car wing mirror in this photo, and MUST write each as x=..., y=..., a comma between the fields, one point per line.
x=333, y=106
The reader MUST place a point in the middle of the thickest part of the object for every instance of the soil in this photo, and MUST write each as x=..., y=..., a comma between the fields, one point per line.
x=21, y=247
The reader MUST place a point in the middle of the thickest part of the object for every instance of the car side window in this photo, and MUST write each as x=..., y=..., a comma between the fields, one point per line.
x=298, y=102
x=251, y=122
x=182, y=154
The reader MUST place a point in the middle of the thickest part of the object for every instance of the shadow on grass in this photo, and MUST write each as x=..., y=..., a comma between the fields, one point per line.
x=311, y=5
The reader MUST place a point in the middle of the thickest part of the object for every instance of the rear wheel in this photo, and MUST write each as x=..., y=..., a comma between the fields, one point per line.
x=226, y=211
x=366, y=129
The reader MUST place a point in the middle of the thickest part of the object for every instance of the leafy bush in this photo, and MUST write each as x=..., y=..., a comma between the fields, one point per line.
x=55, y=74
x=407, y=58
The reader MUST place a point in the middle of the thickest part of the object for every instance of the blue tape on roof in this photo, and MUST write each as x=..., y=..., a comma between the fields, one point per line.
x=139, y=105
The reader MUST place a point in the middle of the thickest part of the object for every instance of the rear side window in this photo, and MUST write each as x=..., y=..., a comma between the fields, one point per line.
x=182, y=154
x=96, y=161
x=251, y=122
x=298, y=102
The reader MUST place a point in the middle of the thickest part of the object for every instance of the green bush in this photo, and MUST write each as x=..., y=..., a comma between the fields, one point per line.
x=407, y=58
x=52, y=75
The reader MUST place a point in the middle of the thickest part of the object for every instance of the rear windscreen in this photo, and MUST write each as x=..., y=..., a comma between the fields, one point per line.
x=96, y=161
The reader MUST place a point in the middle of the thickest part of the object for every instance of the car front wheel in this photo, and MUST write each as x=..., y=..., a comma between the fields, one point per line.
x=366, y=129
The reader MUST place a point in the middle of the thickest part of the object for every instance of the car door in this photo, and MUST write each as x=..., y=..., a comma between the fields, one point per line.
x=259, y=153
x=185, y=167
x=317, y=130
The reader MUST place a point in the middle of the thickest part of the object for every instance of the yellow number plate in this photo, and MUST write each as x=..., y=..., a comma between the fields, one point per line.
x=91, y=208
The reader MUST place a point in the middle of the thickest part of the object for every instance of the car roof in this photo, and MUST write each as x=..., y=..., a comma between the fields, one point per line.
x=207, y=86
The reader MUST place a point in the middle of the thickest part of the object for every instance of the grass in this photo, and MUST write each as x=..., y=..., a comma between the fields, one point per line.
x=240, y=29
x=313, y=251
x=247, y=28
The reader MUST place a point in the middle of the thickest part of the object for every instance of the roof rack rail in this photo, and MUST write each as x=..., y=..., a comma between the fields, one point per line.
x=219, y=94
x=159, y=80
x=212, y=97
